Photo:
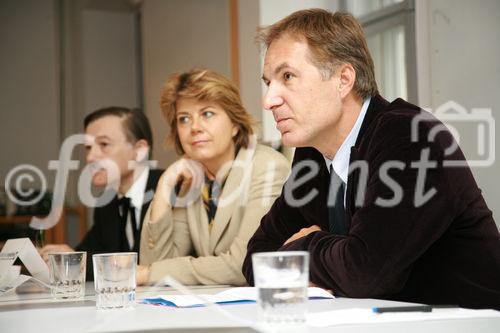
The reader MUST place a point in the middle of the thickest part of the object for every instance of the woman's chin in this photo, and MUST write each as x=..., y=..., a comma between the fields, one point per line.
x=201, y=158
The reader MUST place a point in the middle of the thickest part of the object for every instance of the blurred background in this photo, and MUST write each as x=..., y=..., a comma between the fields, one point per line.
x=62, y=59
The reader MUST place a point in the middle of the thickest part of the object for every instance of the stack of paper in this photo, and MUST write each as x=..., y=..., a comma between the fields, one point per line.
x=230, y=296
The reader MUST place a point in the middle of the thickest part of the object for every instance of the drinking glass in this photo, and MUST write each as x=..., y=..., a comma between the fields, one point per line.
x=67, y=274
x=114, y=279
x=281, y=279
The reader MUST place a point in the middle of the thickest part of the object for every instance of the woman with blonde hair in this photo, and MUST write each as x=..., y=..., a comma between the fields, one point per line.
x=210, y=202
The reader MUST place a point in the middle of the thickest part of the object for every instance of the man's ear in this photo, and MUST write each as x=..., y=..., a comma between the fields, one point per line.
x=141, y=150
x=347, y=78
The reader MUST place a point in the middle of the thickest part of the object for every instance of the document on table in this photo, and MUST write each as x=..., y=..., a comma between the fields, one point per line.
x=23, y=249
x=367, y=316
x=230, y=296
x=28, y=254
x=6, y=285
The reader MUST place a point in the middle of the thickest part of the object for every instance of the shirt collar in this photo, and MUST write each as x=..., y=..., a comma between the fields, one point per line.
x=340, y=162
x=136, y=191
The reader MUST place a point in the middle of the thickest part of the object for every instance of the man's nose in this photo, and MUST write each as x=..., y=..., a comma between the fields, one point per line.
x=272, y=98
x=92, y=154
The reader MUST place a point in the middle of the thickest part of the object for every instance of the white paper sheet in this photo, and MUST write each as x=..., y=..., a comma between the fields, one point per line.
x=13, y=284
x=233, y=295
x=28, y=255
x=6, y=261
x=23, y=249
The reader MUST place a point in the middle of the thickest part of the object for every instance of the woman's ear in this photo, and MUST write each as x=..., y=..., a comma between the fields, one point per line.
x=235, y=131
x=141, y=150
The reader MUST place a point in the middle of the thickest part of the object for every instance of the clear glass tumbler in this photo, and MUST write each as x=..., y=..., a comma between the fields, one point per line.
x=281, y=279
x=114, y=279
x=67, y=274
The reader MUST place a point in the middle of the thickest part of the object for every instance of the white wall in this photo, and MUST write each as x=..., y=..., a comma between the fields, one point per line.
x=101, y=65
x=29, y=111
x=178, y=35
x=249, y=58
x=58, y=62
x=110, y=64
x=463, y=65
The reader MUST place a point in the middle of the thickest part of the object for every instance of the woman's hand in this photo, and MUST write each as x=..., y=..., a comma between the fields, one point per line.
x=142, y=275
x=183, y=173
x=180, y=176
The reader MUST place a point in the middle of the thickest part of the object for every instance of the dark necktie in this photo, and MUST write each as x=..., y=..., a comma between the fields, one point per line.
x=209, y=194
x=336, y=211
x=127, y=208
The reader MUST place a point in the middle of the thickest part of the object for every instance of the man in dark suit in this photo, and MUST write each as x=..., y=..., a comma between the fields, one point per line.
x=123, y=137
x=371, y=196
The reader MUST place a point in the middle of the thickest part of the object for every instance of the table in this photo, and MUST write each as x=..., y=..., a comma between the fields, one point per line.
x=38, y=312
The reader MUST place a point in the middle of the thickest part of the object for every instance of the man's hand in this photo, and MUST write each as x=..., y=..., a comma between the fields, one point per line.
x=302, y=232
x=142, y=275
x=44, y=251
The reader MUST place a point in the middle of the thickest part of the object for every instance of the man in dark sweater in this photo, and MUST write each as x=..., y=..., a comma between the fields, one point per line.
x=372, y=196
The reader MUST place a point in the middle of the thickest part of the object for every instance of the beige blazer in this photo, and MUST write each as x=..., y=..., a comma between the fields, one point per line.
x=180, y=244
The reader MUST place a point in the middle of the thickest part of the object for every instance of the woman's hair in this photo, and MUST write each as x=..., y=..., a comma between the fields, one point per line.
x=208, y=86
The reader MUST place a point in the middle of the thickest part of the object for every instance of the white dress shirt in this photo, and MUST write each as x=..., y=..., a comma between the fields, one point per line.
x=340, y=162
x=136, y=196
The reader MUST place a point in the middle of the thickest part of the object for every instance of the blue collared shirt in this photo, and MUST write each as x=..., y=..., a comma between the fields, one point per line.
x=340, y=162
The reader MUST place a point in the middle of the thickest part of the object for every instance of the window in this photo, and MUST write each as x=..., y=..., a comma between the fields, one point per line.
x=390, y=32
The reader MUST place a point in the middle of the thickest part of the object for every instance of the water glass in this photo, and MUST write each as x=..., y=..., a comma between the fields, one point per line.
x=281, y=279
x=67, y=274
x=114, y=279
